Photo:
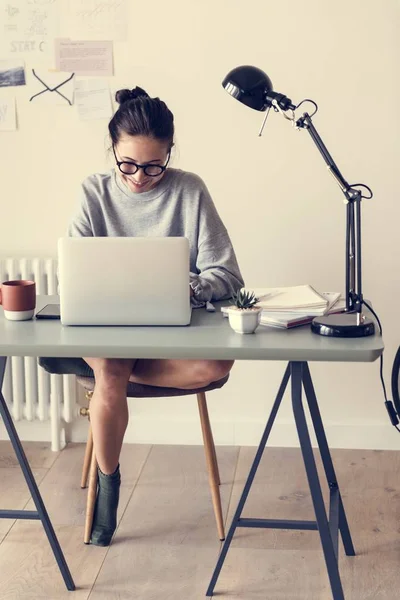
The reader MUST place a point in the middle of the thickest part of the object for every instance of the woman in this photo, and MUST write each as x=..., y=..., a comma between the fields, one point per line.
x=142, y=196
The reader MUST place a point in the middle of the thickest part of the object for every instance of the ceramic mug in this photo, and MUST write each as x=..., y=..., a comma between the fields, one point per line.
x=18, y=299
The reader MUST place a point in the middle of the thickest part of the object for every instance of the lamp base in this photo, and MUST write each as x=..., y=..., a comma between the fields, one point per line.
x=342, y=325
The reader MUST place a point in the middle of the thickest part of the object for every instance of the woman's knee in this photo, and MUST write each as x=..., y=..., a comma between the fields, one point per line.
x=209, y=371
x=111, y=371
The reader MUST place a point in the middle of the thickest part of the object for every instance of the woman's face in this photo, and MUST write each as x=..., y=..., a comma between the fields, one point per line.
x=143, y=151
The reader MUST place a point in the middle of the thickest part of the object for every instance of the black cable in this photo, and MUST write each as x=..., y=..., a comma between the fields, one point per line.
x=393, y=412
x=395, y=381
x=362, y=185
x=311, y=102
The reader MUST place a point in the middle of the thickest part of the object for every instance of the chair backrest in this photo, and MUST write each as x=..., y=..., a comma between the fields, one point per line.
x=396, y=381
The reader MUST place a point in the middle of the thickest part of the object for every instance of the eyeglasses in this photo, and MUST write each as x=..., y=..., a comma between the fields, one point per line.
x=130, y=168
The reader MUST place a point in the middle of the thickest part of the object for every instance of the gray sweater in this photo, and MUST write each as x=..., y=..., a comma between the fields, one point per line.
x=179, y=205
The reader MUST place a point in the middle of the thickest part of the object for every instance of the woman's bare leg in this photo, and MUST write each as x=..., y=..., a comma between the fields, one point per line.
x=183, y=374
x=109, y=419
x=108, y=406
x=109, y=409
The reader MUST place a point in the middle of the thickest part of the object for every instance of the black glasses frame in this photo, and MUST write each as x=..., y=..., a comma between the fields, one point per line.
x=144, y=167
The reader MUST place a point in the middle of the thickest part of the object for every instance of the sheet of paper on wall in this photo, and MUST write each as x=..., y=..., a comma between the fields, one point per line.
x=46, y=86
x=8, y=114
x=84, y=57
x=93, y=99
x=12, y=72
x=28, y=28
x=96, y=19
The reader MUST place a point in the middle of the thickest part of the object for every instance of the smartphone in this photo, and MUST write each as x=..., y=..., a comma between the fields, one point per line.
x=50, y=311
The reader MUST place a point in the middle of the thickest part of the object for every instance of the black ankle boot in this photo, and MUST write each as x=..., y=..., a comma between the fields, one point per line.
x=105, y=512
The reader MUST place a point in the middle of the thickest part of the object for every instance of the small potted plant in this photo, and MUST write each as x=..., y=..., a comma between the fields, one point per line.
x=244, y=315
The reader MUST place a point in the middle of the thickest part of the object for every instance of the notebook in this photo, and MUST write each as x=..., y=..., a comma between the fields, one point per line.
x=296, y=298
x=332, y=298
x=288, y=320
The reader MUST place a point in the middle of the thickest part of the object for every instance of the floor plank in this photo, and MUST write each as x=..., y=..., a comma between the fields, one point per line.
x=251, y=574
x=154, y=572
x=171, y=503
x=14, y=493
x=39, y=454
x=29, y=569
x=166, y=545
x=369, y=486
x=254, y=574
x=279, y=491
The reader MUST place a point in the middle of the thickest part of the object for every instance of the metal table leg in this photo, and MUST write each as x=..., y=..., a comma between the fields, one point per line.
x=342, y=524
x=299, y=374
x=324, y=529
x=236, y=519
x=41, y=512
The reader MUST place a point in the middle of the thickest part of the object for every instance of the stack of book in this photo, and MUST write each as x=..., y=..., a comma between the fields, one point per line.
x=288, y=307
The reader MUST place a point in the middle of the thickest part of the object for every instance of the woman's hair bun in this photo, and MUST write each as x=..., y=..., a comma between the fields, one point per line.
x=122, y=96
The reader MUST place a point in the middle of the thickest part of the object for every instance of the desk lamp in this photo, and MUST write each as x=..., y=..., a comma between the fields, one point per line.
x=253, y=87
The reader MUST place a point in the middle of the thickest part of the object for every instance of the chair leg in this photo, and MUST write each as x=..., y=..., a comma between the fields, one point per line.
x=212, y=465
x=91, y=498
x=87, y=459
x=85, y=412
x=207, y=432
x=217, y=477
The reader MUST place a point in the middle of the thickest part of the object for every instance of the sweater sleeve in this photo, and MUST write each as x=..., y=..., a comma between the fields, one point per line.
x=80, y=224
x=218, y=274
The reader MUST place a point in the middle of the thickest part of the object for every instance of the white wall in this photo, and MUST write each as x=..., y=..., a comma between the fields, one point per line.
x=284, y=212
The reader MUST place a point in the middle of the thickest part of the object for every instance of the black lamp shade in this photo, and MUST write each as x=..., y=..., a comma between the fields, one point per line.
x=249, y=85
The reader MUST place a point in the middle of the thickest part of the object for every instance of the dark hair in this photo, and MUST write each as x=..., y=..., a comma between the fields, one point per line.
x=138, y=114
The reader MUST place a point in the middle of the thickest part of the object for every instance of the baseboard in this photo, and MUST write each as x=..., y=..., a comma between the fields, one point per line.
x=160, y=430
x=31, y=431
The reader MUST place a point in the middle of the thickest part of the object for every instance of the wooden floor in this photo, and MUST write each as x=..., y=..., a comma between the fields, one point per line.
x=166, y=544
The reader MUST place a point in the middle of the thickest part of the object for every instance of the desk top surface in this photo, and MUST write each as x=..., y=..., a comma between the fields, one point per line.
x=208, y=336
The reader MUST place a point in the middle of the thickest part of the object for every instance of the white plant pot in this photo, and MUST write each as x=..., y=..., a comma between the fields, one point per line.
x=244, y=320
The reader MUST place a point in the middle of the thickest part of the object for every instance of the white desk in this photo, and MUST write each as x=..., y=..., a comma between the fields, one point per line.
x=209, y=336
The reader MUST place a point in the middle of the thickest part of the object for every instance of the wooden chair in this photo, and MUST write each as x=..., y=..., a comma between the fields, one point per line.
x=89, y=471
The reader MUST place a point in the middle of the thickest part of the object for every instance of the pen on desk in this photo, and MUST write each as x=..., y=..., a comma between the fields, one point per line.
x=210, y=307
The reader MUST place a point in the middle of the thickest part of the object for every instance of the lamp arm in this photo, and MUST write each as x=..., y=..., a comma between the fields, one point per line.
x=354, y=297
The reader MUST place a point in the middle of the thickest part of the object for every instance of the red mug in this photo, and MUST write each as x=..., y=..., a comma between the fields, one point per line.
x=18, y=299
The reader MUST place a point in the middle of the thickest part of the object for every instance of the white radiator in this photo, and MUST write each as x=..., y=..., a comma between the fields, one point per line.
x=30, y=392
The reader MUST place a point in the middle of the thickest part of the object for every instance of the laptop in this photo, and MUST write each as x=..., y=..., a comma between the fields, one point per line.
x=124, y=281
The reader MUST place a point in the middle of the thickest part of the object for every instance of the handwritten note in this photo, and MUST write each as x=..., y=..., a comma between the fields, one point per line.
x=8, y=116
x=84, y=58
x=93, y=99
x=96, y=19
x=28, y=27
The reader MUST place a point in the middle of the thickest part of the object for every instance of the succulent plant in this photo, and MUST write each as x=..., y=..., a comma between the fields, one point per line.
x=244, y=299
